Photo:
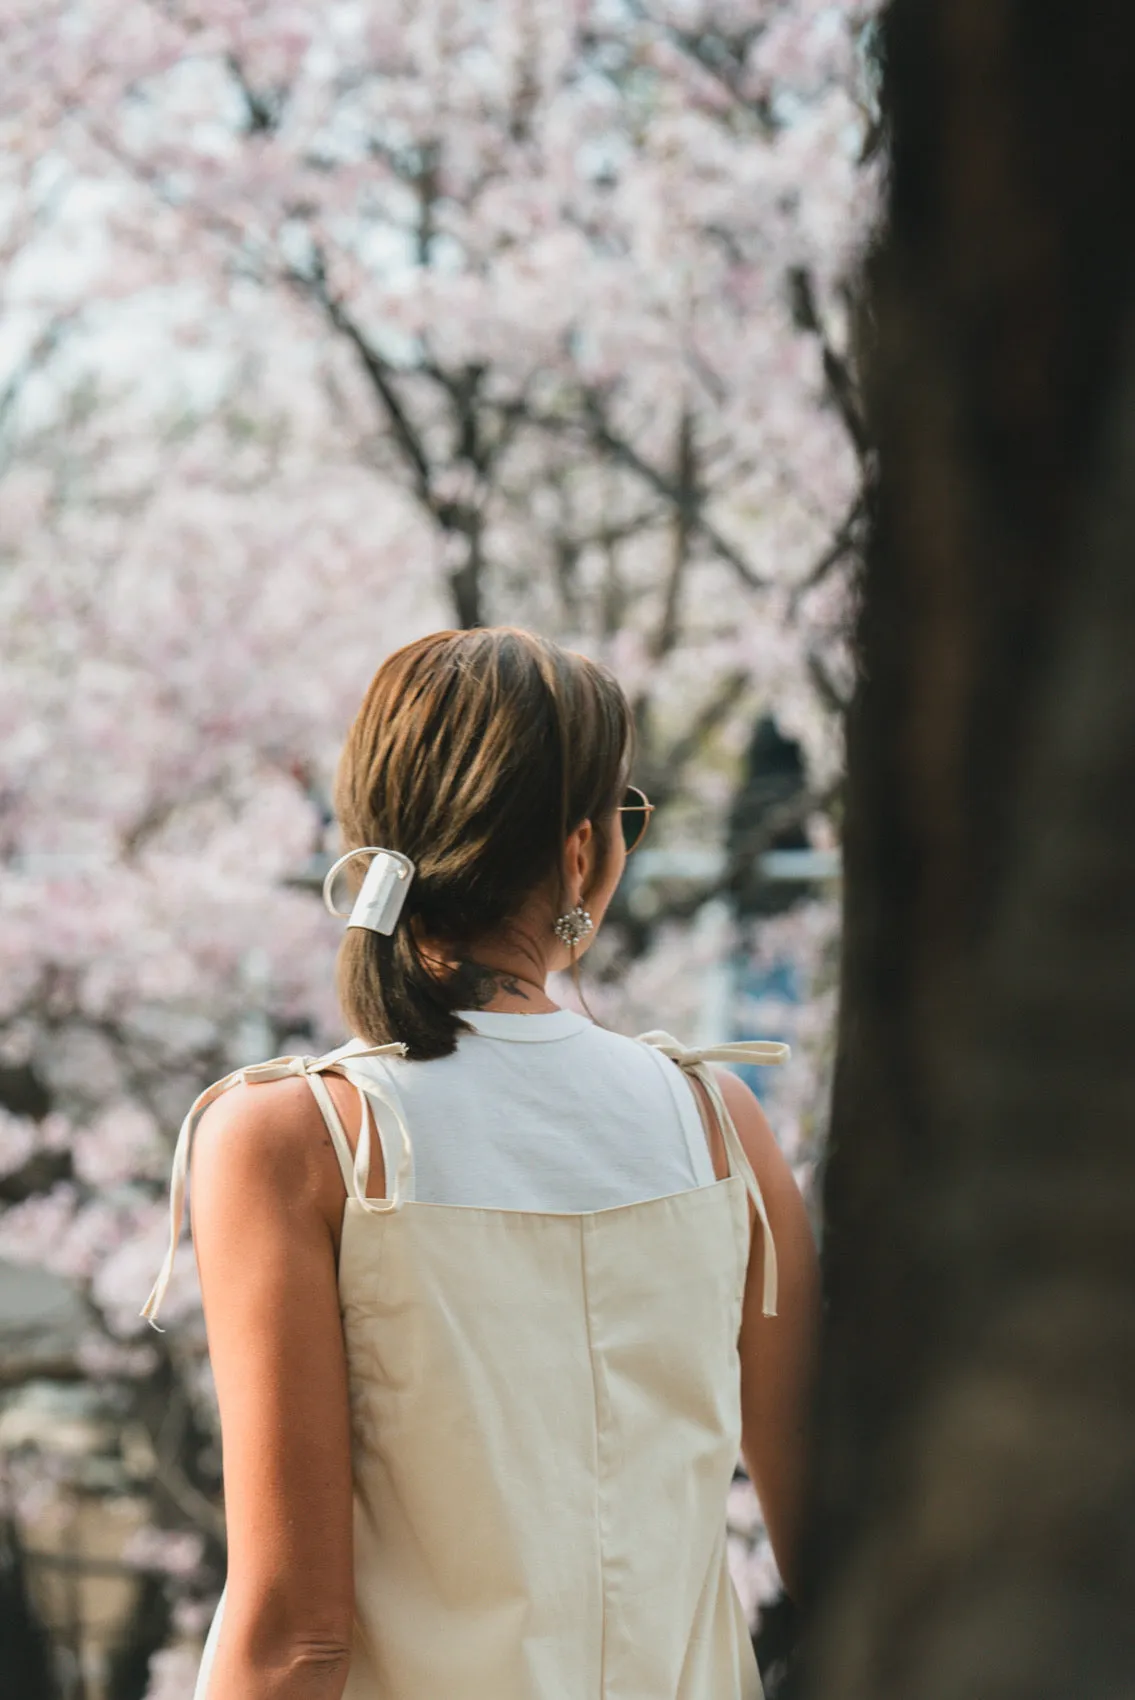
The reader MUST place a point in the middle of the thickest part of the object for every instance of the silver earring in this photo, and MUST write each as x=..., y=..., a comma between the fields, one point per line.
x=573, y=926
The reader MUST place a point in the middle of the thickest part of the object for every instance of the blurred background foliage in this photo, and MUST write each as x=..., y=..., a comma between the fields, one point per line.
x=322, y=327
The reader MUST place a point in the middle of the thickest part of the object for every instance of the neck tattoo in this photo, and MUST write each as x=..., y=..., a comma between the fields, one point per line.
x=480, y=984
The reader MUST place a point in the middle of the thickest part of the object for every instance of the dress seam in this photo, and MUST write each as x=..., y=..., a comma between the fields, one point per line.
x=598, y=1398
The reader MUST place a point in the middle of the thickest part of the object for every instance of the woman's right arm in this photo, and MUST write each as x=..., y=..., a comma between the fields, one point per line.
x=778, y=1353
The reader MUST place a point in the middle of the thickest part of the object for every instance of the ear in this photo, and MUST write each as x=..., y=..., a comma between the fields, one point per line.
x=579, y=855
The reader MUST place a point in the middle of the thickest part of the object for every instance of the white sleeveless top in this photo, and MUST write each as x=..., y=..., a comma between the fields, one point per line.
x=543, y=1112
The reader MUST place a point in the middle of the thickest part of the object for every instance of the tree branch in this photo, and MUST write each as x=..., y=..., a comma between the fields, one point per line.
x=721, y=57
x=839, y=379
x=602, y=436
x=456, y=518
x=685, y=511
x=41, y=350
x=848, y=540
x=314, y=285
x=826, y=688
x=263, y=110
x=708, y=718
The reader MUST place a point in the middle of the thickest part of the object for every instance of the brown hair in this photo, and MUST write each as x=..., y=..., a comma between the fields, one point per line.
x=475, y=753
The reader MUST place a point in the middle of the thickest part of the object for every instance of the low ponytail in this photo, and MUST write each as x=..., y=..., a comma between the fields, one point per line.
x=475, y=754
x=387, y=991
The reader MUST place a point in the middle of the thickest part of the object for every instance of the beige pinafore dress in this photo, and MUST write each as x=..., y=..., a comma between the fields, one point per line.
x=545, y=1423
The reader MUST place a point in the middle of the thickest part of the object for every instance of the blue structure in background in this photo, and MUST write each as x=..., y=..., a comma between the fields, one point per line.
x=775, y=983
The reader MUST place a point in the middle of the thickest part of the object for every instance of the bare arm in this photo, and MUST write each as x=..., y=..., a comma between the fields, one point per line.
x=778, y=1353
x=267, y=1202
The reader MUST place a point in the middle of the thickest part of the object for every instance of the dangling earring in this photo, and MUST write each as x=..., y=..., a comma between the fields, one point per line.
x=573, y=926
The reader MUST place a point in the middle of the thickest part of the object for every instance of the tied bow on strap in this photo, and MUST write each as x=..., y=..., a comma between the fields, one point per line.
x=693, y=1061
x=310, y=1068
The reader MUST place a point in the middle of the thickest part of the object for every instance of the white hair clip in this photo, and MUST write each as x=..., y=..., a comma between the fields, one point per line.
x=382, y=893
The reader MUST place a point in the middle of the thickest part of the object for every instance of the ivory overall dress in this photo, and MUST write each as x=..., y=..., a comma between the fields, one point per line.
x=545, y=1418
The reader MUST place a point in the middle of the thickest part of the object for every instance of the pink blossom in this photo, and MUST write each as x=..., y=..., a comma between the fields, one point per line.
x=19, y=1138
x=173, y=1673
x=102, y=1358
x=31, y=1232
x=173, y=1552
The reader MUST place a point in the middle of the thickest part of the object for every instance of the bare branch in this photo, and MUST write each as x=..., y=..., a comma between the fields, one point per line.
x=848, y=540
x=263, y=111
x=314, y=285
x=189, y=1500
x=38, y=354
x=722, y=57
x=708, y=718
x=602, y=435
x=87, y=1564
x=685, y=510
x=456, y=518
x=826, y=688
x=169, y=1476
x=838, y=376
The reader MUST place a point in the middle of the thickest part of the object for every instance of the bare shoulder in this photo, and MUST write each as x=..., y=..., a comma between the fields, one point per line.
x=772, y=1169
x=267, y=1139
x=259, y=1124
x=751, y=1123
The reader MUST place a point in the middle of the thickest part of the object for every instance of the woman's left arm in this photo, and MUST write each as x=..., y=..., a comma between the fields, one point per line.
x=267, y=1202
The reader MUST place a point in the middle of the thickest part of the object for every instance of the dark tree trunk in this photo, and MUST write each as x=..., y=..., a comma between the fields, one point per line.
x=975, y=1527
x=147, y=1630
x=25, y=1654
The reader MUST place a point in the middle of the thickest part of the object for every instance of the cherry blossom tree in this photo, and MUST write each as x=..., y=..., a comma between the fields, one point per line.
x=577, y=272
x=322, y=329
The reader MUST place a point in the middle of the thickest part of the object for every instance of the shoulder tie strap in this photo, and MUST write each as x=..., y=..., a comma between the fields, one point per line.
x=693, y=1061
x=254, y=1075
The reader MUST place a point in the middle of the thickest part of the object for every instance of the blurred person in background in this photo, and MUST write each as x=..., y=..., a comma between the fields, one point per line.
x=494, y=1296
